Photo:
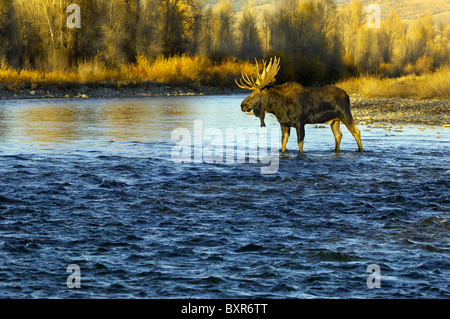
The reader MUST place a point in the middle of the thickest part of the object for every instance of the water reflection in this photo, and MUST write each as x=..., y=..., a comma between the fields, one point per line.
x=125, y=121
x=3, y=124
x=111, y=119
x=49, y=123
x=154, y=119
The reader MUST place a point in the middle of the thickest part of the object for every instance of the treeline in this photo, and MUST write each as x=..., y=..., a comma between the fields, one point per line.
x=317, y=41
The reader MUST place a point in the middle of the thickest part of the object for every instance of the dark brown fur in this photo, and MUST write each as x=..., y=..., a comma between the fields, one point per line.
x=295, y=106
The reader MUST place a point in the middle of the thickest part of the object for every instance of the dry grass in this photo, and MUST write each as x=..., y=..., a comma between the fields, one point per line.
x=178, y=70
x=185, y=70
x=434, y=85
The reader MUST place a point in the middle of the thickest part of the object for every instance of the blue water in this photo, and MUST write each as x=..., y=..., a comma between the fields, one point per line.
x=93, y=183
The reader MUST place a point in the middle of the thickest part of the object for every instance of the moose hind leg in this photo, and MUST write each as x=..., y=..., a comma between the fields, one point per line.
x=285, y=132
x=335, y=128
x=355, y=132
x=300, y=137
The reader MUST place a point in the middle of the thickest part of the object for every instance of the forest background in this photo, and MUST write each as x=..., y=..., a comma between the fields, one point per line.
x=210, y=43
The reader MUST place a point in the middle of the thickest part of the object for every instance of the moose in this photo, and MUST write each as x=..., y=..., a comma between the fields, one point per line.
x=294, y=105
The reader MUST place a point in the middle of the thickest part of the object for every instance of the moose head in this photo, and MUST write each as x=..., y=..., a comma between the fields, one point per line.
x=255, y=100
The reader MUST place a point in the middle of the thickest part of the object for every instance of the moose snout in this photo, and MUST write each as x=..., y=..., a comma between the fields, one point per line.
x=245, y=107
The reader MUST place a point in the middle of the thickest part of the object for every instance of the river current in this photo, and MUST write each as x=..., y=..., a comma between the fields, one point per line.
x=94, y=183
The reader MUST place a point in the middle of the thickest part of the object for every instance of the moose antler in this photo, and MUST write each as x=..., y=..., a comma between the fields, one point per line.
x=267, y=74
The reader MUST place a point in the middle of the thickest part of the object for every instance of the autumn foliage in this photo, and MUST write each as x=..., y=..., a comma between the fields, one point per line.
x=189, y=42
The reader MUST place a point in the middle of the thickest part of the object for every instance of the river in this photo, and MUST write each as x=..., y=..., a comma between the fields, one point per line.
x=143, y=197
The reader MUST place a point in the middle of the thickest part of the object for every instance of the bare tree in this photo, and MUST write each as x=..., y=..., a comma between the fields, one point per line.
x=206, y=36
x=393, y=30
x=352, y=16
x=224, y=42
x=250, y=46
x=4, y=43
x=267, y=20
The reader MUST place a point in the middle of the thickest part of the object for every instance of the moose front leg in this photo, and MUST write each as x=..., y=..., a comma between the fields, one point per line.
x=285, y=132
x=300, y=136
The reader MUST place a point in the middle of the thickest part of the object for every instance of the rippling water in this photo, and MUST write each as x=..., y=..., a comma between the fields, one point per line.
x=92, y=183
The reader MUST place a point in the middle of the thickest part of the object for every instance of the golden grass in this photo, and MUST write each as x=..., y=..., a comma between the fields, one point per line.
x=178, y=70
x=198, y=71
x=434, y=85
x=185, y=69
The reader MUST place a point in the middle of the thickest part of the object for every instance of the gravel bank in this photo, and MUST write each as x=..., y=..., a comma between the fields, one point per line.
x=398, y=110
x=111, y=91
x=390, y=110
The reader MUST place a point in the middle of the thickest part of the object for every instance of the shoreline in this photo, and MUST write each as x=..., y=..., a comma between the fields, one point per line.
x=400, y=110
x=365, y=110
x=106, y=90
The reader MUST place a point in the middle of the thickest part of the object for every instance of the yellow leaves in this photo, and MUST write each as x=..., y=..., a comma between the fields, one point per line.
x=28, y=77
x=174, y=70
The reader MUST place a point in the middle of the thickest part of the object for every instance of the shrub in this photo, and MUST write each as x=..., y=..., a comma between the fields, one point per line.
x=424, y=65
x=429, y=86
x=387, y=69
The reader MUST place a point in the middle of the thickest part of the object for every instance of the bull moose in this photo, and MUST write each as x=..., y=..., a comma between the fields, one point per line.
x=295, y=105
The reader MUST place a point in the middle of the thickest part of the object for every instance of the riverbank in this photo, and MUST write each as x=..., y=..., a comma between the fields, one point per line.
x=107, y=90
x=365, y=110
x=400, y=110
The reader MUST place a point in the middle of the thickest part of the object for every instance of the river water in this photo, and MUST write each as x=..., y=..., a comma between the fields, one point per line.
x=95, y=184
